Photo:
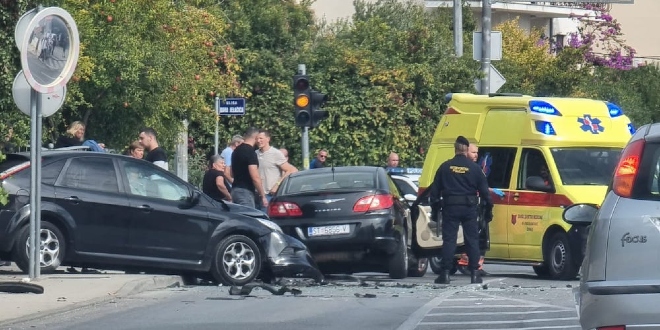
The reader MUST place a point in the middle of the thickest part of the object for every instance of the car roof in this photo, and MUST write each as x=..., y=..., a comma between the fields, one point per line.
x=339, y=169
x=54, y=153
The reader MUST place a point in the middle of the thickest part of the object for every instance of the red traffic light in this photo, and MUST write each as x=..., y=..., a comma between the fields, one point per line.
x=301, y=84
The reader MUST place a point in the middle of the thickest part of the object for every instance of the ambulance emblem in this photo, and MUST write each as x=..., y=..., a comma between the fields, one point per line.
x=590, y=124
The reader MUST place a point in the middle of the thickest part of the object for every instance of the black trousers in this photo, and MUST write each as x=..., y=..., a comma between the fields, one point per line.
x=452, y=217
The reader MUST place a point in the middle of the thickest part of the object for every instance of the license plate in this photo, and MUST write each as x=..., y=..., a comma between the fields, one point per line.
x=328, y=230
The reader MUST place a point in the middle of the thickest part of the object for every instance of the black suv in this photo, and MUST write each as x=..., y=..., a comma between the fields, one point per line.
x=110, y=211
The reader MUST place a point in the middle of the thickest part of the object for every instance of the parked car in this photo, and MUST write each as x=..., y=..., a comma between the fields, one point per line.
x=406, y=186
x=620, y=272
x=110, y=211
x=352, y=219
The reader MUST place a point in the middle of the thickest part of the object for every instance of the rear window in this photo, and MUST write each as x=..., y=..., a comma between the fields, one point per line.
x=586, y=166
x=647, y=183
x=330, y=181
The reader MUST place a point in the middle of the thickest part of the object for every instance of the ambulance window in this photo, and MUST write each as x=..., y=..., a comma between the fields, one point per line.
x=497, y=164
x=533, y=163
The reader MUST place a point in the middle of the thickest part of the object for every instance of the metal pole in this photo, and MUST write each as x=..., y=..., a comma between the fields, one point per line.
x=304, y=141
x=217, y=119
x=485, y=46
x=458, y=28
x=33, y=184
x=37, y=166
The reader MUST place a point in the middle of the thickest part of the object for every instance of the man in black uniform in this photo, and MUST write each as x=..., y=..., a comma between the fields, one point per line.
x=457, y=181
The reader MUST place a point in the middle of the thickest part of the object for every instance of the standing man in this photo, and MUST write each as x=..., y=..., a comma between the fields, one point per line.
x=245, y=170
x=320, y=159
x=392, y=161
x=457, y=181
x=236, y=140
x=155, y=154
x=273, y=166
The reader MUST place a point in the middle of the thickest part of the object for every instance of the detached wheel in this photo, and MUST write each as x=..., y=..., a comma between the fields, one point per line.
x=559, y=258
x=237, y=261
x=51, y=248
x=419, y=268
x=436, y=263
x=398, y=264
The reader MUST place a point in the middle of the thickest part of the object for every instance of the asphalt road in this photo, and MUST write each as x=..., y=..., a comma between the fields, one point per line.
x=511, y=298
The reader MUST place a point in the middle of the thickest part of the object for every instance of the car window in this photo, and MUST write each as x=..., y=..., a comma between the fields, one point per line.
x=394, y=188
x=50, y=172
x=91, y=173
x=533, y=163
x=586, y=166
x=497, y=164
x=404, y=187
x=147, y=181
x=330, y=181
x=647, y=183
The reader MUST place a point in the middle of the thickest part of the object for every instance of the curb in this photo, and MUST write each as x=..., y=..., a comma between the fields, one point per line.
x=148, y=284
x=131, y=288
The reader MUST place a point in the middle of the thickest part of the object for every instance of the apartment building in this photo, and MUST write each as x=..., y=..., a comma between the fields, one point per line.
x=638, y=22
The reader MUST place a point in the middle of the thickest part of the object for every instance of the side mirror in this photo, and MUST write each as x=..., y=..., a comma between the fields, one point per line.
x=193, y=198
x=410, y=197
x=538, y=184
x=580, y=214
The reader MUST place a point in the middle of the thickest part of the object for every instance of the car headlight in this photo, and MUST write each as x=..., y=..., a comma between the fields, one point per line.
x=271, y=225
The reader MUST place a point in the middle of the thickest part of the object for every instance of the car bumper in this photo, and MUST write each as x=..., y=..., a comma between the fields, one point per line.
x=375, y=233
x=288, y=257
x=636, y=310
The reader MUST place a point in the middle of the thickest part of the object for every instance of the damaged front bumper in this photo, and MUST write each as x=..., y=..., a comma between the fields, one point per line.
x=289, y=257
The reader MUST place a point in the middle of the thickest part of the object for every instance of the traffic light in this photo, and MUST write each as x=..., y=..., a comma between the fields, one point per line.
x=317, y=101
x=302, y=97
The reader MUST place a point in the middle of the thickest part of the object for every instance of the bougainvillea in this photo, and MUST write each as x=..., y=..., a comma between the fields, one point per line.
x=602, y=40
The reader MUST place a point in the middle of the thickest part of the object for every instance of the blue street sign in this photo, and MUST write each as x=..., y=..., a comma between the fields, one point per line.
x=230, y=107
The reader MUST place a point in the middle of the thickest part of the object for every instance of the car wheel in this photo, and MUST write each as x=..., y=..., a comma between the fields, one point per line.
x=419, y=268
x=237, y=261
x=436, y=266
x=559, y=259
x=398, y=265
x=51, y=248
x=541, y=271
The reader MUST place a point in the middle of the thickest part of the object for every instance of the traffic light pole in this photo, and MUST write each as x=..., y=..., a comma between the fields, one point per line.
x=305, y=130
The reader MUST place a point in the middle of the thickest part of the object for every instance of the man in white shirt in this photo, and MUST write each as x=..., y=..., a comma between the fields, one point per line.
x=273, y=166
x=236, y=141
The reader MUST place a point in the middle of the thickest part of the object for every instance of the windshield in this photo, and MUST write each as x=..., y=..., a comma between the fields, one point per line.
x=328, y=181
x=586, y=166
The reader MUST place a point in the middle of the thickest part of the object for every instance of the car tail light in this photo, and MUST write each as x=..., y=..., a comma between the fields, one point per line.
x=614, y=327
x=13, y=170
x=627, y=169
x=284, y=209
x=373, y=203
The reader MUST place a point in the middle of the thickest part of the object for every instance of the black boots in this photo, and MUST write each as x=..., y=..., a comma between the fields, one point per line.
x=475, y=276
x=443, y=278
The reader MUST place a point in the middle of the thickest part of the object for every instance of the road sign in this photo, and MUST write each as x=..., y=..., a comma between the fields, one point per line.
x=495, y=46
x=497, y=80
x=49, y=49
x=230, y=107
x=50, y=102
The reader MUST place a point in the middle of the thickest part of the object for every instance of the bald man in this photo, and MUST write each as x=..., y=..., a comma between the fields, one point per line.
x=392, y=161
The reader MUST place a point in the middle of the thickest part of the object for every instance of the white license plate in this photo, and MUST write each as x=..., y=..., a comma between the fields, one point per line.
x=328, y=230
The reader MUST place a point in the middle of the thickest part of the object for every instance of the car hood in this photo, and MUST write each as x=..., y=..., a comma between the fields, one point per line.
x=586, y=194
x=247, y=211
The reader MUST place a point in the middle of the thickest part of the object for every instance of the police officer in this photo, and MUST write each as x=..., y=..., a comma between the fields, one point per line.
x=457, y=181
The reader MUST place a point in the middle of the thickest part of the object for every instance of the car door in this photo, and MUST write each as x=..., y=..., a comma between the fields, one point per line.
x=161, y=228
x=528, y=209
x=90, y=192
x=497, y=165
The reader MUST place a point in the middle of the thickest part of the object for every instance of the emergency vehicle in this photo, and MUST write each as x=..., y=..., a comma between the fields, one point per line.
x=545, y=154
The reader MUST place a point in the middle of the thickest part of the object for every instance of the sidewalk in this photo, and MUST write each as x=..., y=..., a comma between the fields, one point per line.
x=65, y=291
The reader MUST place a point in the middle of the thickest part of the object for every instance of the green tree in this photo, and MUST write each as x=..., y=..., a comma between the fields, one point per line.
x=387, y=73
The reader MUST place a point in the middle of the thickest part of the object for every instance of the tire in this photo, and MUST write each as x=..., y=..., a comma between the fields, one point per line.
x=559, y=258
x=436, y=263
x=542, y=271
x=237, y=261
x=419, y=268
x=52, y=248
x=398, y=263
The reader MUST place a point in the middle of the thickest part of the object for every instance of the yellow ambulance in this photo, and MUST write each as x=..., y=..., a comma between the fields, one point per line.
x=545, y=154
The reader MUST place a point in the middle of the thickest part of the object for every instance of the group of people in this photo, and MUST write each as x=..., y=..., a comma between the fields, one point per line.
x=249, y=171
